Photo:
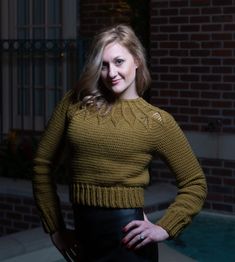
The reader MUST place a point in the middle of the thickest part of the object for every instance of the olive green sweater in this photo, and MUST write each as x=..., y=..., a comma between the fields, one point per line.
x=109, y=156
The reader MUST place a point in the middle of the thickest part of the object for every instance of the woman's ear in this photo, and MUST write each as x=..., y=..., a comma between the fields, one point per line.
x=136, y=63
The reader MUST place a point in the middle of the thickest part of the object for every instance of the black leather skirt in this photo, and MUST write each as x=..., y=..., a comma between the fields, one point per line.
x=99, y=232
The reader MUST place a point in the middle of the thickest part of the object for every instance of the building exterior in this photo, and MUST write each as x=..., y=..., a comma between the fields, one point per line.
x=190, y=46
x=39, y=48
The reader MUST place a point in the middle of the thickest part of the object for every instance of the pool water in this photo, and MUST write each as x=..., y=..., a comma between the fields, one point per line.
x=209, y=238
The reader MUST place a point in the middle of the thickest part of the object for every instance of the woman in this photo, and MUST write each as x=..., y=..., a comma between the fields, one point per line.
x=112, y=134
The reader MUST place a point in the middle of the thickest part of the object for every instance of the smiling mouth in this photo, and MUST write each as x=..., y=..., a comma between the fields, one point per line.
x=115, y=82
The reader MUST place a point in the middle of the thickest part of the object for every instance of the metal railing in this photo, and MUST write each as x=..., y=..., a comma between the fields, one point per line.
x=34, y=74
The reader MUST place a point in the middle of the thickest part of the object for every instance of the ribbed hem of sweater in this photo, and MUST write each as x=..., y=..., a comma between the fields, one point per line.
x=104, y=196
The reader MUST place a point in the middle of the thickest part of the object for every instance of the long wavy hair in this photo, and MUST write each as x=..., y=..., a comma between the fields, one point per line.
x=90, y=89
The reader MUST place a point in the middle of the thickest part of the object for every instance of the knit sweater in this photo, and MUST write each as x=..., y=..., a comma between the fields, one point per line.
x=109, y=157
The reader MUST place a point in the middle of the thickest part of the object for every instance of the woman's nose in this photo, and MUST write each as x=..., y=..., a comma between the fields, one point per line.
x=112, y=72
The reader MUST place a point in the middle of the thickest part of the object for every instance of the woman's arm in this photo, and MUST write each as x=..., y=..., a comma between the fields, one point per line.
x=44, y=187
x=175, y=150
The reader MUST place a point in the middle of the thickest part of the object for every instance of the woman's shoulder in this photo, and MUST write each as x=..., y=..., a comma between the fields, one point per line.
x=158, y=114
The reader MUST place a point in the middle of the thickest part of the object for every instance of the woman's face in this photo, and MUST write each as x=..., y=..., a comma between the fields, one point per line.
x=119, y=71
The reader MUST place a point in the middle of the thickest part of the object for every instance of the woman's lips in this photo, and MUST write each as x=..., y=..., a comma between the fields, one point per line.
x=115, y=82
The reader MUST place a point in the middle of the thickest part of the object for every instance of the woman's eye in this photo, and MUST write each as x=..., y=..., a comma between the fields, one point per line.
x=104, y=67
x=119, y=61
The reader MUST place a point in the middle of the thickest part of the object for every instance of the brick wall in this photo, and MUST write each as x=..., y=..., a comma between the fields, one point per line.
x=193, y=62
x=95, y=14
x=18, y=213
x=193, y=68
x=220, y=175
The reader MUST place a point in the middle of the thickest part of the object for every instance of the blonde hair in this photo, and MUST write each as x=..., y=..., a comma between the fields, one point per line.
x=90, y=90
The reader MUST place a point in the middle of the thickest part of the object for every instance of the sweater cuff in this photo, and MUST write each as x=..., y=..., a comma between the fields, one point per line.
x=174, y=222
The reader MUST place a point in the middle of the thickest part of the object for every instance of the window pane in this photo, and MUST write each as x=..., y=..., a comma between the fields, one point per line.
x=39, y=72
x=23, y=101
x=23, y=12
x=38, y=33
x=23, y=33
x=54, y=33
x=39, y=103
x=38, y=12
x=53, y=74
x=23, y=73
x=54, y=95
x=54, y=11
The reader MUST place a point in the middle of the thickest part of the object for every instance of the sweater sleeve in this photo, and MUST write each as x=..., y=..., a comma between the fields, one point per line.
x=44, y=187
x=175, y=150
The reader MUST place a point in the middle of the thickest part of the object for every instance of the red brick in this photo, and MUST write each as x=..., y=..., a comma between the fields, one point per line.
x=222, y=207
x=211, y=61
x=221, y=87
x=214, y=180
x=210, y=112
x=181, y=3
x=200, y=69
x=221, y=36
x=169, y=93
x=169, y=28
x=230, y=113
x=229, y=44
x=215, y=197
x=211, y=78
x=223, y=3
x=169, y=11
x=189, y=110
x=229, y=182
x=199, y=19
x=229, y=199
x=229, y=95
x=169, y=77
x=222, y=70
x=212, y=27
x=200, y=103
x=200, y=2
x=211, y=10
x=169, y=61
x=229, y=78
x=178, y=52
x=189, y=45
x=229, y=27
x=32, y=218
x=229, y=10
x=189, y=11
x=189, y=61
x=180, y=102
x=189, y=77
x=211, y=44
x=209, y=95
x=189, y=28
x=200, y=37
x=178, y=37
x=179, y=20
x=179, y=69
x=13, y=215
x=169, y=45
x=222, y=19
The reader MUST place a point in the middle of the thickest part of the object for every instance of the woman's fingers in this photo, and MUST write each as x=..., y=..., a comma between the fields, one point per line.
x=140, y=233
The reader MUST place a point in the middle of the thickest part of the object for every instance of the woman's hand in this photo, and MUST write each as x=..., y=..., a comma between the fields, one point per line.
x=141, y=233
x=65, y=241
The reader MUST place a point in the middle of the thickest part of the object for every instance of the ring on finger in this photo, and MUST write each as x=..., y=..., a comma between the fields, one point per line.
x=141, y=237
